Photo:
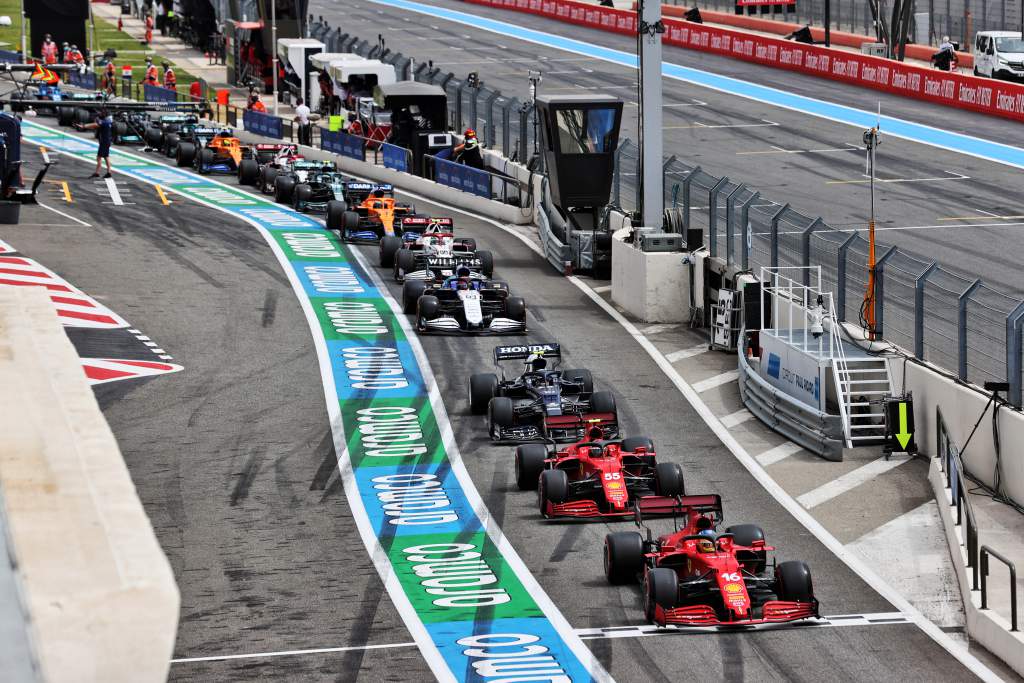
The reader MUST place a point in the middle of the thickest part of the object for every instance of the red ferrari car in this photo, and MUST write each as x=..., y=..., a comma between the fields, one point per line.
x=698, y=577
x=596, y=478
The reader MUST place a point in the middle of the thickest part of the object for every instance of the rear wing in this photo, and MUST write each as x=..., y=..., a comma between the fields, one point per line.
x=524, y=351
x=674, y=506
x=367, y=188
x=441, y=224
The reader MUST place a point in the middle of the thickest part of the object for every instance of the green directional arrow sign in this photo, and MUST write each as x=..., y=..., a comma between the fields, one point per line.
x=904, y=434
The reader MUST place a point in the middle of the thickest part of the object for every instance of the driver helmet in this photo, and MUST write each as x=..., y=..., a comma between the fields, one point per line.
x=463, y=272
x=470, y=134
x=595, y=433
x=705, y=545
x=705, y=527
x=536, y=362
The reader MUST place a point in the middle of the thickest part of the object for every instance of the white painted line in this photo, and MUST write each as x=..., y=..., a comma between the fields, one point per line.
x=602, y=289
x=874, y=619
x=716, y=381
x=739, y=417
x=286, y=653
x=849, y=481
x=780, y=452
x=140, y=337
x=115, y=196
x=951, y=176
x=166, y=357
x=158, y=351
x=683, y=354
x=150, y=343
x=766, y=124
x=68, y=216
x=658, y=329
x=134, y=331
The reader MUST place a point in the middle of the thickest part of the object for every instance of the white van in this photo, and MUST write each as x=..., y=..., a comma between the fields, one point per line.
x=999, y=54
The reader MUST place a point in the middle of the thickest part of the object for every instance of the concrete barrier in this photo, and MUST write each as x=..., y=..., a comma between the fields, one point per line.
x=651, y=286
x=100, y=592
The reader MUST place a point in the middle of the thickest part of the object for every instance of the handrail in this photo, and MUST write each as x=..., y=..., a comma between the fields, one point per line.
x=951, y=463
x=985, y=552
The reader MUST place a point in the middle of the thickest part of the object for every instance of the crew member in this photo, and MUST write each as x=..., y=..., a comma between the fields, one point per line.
x=152, y=75
x=195, y=91
x=64, y=49
x=302, y=113
x=75, y=56
x=149, y=29
x=170, y=80
x=109, y=76
x=256, y=104
x=468, y=152
x=104, y=124
x=49, y=50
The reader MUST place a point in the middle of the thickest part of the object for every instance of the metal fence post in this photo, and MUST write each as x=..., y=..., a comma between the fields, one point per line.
x=919, y=310
x=524, y=125
x=841, y=275
x=730, y=215
x=880, y=290
x=1014, y=324
x=617, y=178
x=713, y=215
x=745, y=229
x=773, y=249
x=805, y=242
x=961, y=329
x=687, y=182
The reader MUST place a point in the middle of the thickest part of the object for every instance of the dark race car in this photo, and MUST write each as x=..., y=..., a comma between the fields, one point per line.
x=464, y=304
x=164, y=133
x=264, y=162
x=130, y=127
x=696, y=576
x=434, y=253
x=319, y=188
x=598, y=478
x=540, y=404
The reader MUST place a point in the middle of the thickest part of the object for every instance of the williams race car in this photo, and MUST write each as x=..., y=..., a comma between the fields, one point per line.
x=541, y=404
x=464, y=304
x=598, y=478
x=698, y=577
x=434, y=253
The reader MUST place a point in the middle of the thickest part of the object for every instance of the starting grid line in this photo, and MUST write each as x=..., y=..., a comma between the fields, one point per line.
x=608, y=632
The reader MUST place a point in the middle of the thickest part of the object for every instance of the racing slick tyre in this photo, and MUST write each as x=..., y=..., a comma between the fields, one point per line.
x=284, y=187
x=515, y=308
x=661, y=588
x=301, y=196
x=486, y=262
x=530, y=459
x=500, y=413
x=83, y=115
x=631, y=443
x=154, y=137
x=793, y=581
x=404, y=260
x=602, y=402
x=483, y=386
x=668, y=479
x=206, y=159
x=119, y=130
x=268, y=178
x=469, y=242
x=580, y=376
x=248, y=172
x=350, y=220
x=170, y=144
x=335, y=209
x=65, y=116
x=427, y=308
x=185, y=154
x=623, y=556
x=389, y=246
x=412, y=290
x=746, y=534
x=553, y=488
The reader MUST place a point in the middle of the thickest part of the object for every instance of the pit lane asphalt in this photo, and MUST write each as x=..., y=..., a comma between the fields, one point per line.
x=755, y=153
x=233, y=461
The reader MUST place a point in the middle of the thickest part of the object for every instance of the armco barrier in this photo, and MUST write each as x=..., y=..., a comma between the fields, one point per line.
x=996, y=98
x=82, y=80
x=98, y=589
x=344, y=144
x=8, y=57
x=263, y=124
x=154, y=93
x=461, y=177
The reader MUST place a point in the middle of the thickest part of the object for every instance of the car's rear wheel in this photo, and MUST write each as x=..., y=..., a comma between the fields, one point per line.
x=206, y=159
x=412, y=290
x=482, y=388
x=515, y=308
x=283, y=189
x=185, y=154
x=301, y=196
x=65, y=116
x=269, y=179
x=580, y=376
x=405, y=262
x=119, y=131
x=530, y=463
x=602, y=402
x=623, y=556
x=486, y=262
x=469, y=243
x=170, y=144
x=668, y=478
x=335, y=210
x=553, y=488
x=747, y=534
x=248, y=172
x=661, y=588
x=83, y=115
x=154, y=137
x=793, y=581
x=389, y=246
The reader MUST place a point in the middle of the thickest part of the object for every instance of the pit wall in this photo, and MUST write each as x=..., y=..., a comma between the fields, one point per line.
x=99, y=592
x=986, y=96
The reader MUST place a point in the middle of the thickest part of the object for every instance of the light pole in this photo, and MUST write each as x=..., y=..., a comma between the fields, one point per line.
x=24, y=40
x=871, y=139
x=651, y=145
x=92, y=50
x=273, y=48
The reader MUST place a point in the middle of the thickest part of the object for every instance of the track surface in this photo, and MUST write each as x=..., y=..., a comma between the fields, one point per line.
x=782, y=161
x=233, y=461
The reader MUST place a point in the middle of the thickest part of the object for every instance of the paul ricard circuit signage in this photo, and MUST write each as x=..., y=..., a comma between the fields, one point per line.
x=795, y=372
x=474, y=609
